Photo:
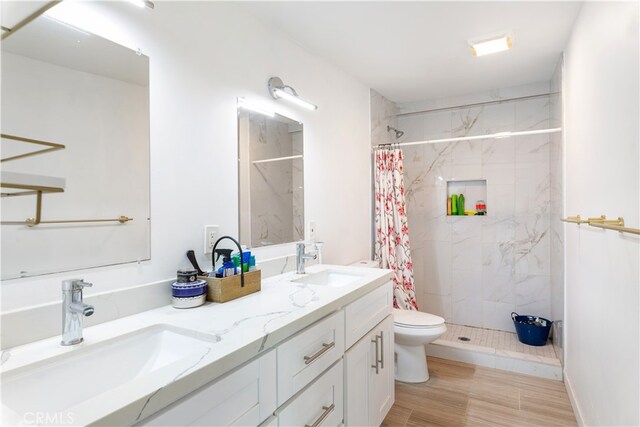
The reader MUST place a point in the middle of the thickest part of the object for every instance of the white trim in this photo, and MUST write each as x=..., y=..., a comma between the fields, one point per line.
x=572, y=398
x=277, y=159
x=497, y=135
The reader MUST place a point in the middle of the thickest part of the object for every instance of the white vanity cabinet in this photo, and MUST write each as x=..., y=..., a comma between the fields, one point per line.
x=369, y=359
x=320, y=404
x=308, y=354
x=369, y=377
x=246, y=396
x=308, y=379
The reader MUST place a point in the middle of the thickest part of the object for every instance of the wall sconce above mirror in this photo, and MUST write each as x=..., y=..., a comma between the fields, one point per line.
x=271, y=177
x=278, y=90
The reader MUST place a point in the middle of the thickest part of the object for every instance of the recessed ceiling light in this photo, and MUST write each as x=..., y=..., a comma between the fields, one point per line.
x=491, y=44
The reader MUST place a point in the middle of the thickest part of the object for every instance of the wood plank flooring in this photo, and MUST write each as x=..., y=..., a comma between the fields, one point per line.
x=460, y=394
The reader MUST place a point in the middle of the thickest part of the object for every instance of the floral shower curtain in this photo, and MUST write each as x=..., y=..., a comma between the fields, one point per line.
x=392, y=231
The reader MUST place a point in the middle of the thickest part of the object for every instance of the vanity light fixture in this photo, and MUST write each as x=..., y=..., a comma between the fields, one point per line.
x=246, y=105
x=491, y=44
x=142, y=3
x=278, y=90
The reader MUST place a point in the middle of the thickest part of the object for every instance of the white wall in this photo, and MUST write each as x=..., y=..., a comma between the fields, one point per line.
x=203, y=55
x=601, y=167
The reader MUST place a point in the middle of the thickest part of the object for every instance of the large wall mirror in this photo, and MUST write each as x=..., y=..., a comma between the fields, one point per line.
x=271, y=178
x=75, y=151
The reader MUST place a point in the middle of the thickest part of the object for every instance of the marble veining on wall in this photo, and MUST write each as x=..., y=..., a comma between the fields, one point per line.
x=477, y=270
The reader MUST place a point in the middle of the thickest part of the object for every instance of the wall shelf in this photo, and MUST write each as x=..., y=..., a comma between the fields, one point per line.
x=472, y=189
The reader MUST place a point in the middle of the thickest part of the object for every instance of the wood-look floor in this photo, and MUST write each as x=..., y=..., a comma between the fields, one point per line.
x=459, y=394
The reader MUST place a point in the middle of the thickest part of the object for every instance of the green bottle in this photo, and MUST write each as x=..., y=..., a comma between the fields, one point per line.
x=461, y=204
x=454, y=204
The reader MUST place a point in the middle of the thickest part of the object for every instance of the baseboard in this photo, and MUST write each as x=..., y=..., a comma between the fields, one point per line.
x=572, y=399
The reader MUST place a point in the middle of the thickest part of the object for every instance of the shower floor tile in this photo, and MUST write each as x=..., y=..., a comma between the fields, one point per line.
x=496, y=349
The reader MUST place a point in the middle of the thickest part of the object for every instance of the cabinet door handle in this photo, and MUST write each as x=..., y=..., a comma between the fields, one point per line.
x=381, y=349
x=375, y=341
x=325, y=347
x=327, y=411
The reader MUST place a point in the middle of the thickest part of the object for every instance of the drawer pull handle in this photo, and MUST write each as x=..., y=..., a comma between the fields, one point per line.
x=327, y=411
x=375, y=341
x=325, y=347
x=381, y=349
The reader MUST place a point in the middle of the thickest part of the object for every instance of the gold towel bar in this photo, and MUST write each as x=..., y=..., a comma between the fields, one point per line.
x=122, y=219
x=37, y=221
x=52, y=146
x=603, y=222
x=619, y=228
x=575, y=219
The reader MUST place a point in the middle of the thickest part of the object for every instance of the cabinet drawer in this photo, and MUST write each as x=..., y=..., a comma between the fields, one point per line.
x=321, y=403
x=244, y=397
x=362, y=315
x=308, y=354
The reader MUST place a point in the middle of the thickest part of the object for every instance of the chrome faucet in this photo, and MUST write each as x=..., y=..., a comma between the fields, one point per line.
x=301, y=257
x=72, y=310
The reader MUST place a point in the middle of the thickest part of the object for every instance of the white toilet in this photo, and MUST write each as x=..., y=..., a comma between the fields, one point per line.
x=412, y=331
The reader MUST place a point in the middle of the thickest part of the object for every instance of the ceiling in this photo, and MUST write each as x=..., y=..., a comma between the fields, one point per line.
x=410, y=51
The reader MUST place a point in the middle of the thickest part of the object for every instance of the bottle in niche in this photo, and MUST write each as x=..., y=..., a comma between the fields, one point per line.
x=461, y=204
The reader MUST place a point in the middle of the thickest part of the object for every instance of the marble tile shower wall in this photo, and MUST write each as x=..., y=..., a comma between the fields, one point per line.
x=477, y=270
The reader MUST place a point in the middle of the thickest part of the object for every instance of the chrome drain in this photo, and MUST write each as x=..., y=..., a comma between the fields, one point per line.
x=464, y=339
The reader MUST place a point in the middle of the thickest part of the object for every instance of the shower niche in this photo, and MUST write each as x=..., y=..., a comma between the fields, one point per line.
x=475, y=194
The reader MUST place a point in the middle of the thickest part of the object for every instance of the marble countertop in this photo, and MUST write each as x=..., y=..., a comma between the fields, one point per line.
x=243, y=329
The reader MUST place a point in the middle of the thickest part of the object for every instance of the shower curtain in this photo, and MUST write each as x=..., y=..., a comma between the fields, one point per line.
x=392, y=232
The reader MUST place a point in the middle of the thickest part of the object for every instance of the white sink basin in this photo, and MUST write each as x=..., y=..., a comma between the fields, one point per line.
x=334, y=278
x=64, y=381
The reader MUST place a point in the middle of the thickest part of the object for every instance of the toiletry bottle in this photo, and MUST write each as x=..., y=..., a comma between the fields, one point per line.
x=461, y=204
x=449, y=206
x=229, y=268
x=454, y=204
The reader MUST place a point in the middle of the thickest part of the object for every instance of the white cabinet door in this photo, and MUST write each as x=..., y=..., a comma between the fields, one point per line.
x=246, y=396
x=382, y=390
x=320, y=404
x=369, y=377
x=358, y=360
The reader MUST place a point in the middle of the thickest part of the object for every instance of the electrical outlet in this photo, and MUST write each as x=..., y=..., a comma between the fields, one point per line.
x=312, y=231
x=210, y=236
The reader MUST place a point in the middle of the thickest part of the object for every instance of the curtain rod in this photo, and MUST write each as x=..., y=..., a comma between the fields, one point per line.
x=498, y=135
x=478, y=104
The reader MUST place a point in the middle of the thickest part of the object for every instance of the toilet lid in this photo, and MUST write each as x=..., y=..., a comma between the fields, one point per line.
x=416, y=319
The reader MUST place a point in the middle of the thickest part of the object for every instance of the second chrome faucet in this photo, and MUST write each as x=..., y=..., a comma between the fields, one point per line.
x=301, y=256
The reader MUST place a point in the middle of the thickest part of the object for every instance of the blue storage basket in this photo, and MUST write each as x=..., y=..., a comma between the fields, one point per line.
x=532, y=330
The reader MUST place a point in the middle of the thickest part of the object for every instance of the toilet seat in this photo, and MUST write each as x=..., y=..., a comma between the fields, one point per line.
x=412, y=319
